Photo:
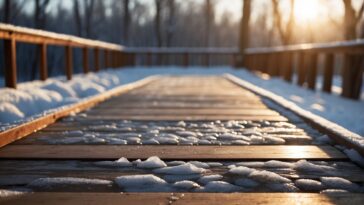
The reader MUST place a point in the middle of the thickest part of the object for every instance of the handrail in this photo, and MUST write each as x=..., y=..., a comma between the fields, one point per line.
x=35, y=36
x=303, y=59
x=114, y=55
x=276, y=61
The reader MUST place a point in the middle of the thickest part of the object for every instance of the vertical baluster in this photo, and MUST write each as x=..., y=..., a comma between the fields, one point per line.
x=312, y=72
x=96, y=60
x=85, y=60
x=328, y=72
x=301, y=74
x=10, y=63
x=43, y=66
x=69, y=62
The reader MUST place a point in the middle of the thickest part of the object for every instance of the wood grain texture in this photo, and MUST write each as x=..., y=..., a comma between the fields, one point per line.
x=169, y=152
x=185, y=198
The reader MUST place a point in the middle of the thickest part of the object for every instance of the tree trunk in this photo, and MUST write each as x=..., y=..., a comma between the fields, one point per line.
x=158, y=8
x=208, y=21
x=171, y=21
x=76, y=11
x=285, y=33
x=126, y=24
x=244, y=30
x=7, y=11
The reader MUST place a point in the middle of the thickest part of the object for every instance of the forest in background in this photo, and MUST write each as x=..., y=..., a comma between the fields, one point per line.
x=175, y=23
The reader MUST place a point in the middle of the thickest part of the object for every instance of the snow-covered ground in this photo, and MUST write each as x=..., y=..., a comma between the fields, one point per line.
x=32, y=99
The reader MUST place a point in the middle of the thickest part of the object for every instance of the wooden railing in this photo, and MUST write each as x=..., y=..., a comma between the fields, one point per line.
x=114, y=56
x=184, y=56
x=303, y=61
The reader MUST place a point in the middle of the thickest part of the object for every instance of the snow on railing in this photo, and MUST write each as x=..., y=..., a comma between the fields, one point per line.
x=114, y=56
x=303, y=60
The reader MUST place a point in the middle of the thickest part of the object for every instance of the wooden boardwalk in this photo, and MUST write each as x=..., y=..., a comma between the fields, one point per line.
x=162, y=102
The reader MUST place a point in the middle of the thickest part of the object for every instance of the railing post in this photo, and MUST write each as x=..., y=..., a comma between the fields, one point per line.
x=328, y=72
x=10, y=63
x=233, y=60
x=276, y=64
x=96, y=60
x=206, y=60
x=301, y=74
x=312, y=72
x=287, y=75
x=185, y=59
x=85, y=60
x=149, y=59
x=43, y=62
x=352, y=76
x=106, y=58
x=69, y=62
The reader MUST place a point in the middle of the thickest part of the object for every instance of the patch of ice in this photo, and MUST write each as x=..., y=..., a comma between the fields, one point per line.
x=214, y=164
x=152, y=163
x=62, y=88
x=333, y=191
x=200, y=164
x=309, y=185
x=244, y=171
x=250, y=164
x=181, y=124
x=339, y=183
x=304, y=165
x=13, y=192
x=278, y=164
x=267, y=177
x=176, y=178
x=166, y=140
x=175, y=163
x=183, y=169
x=220, y=186
x=9, y=112
x=355, y=156
x=186, y=133
x=141, y=183
x=122, y=162
x=229, y=136
x=54, y=182
x=150, y=142
x=273, y=140
x=186, y=185
x=209, y=178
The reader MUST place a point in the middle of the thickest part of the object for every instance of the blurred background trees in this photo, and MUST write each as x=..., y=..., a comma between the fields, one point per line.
x=186, y=23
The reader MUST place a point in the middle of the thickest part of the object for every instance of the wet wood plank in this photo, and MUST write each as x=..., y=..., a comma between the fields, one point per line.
x=185, y=198
x=169, y=152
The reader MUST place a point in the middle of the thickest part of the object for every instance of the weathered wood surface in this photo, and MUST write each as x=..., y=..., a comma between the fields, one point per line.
x=185, y=198
x=169, y=152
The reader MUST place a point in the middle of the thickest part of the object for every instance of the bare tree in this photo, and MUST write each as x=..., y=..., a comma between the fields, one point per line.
x=157, y=22
x=84, y=23
x=209, y=18
x=126, y=22
x=244, y=29
x=351, y=19
x=11, y=10
x=285, y=31
x=171, y=21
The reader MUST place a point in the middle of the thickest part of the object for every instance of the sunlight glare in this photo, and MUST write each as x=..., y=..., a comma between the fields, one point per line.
x=306, y=10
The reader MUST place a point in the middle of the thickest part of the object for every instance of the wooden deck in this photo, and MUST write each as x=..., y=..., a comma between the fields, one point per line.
x=168, y=99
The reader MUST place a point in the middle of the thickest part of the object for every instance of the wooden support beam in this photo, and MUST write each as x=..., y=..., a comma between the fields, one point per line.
x=288, y=66
x=69, y=62
x=186, y=59
x=96, y=60
x=106, y=59
x=328, y=72
x=85, y=60
x=312, y=71
x=352, y=76
x=10, y=63
x=301, y=72
x=43, y=62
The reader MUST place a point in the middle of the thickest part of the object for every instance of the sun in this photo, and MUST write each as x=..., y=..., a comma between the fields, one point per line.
x=306, y=10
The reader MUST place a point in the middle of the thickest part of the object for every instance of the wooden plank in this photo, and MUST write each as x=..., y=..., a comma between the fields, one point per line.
x=69, y=62
x=43, y=62
x=25, y=129
x=62, y=198
x=186, y=117
x=169, y=152
x=192, y=112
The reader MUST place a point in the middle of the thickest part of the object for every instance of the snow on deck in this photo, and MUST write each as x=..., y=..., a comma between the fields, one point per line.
x=38, y=98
